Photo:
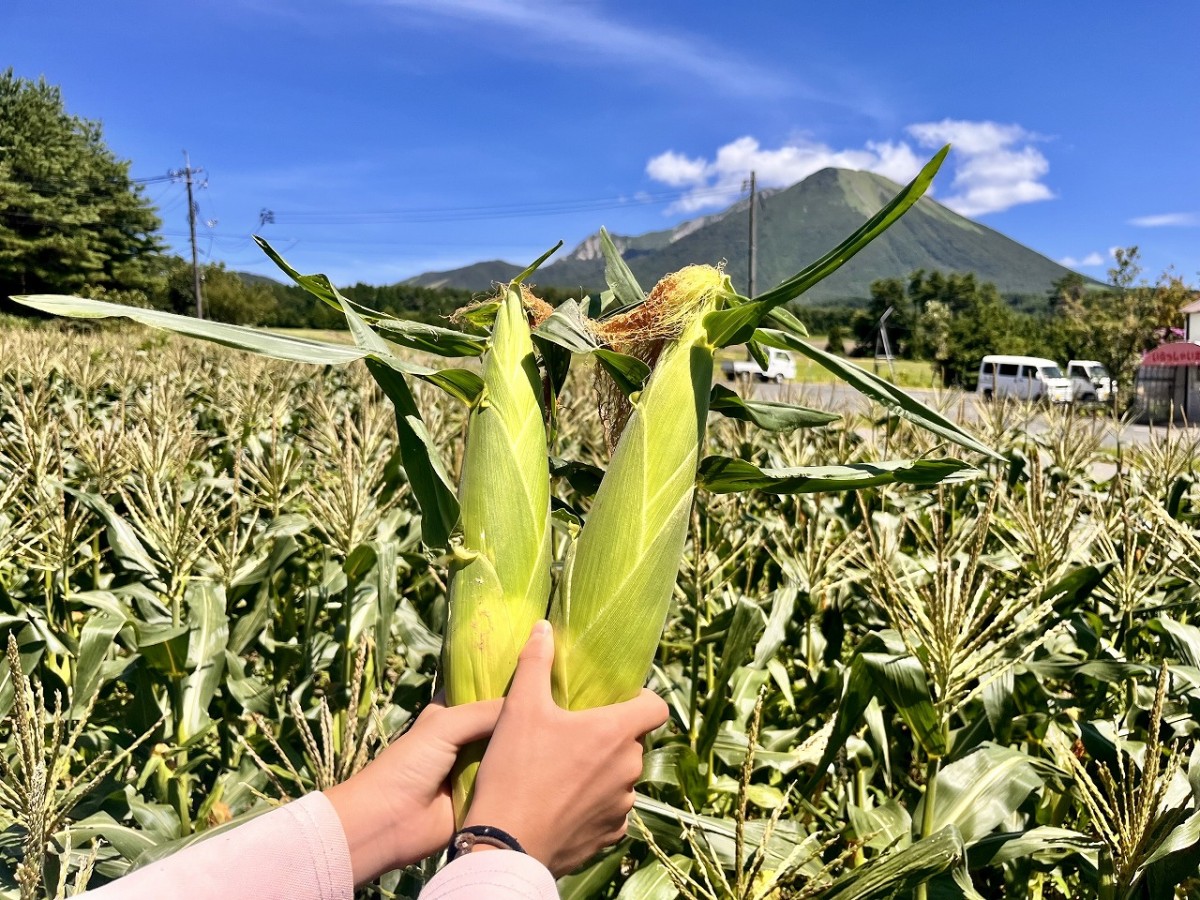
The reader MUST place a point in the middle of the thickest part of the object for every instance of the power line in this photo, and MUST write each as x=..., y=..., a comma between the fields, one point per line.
x=422, y=215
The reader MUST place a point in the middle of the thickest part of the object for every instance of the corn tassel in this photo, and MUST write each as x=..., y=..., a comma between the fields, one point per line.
x=616, y=589
x=500, y=580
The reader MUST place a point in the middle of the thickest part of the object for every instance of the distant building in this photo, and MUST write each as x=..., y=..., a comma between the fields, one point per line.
x=1168, y=380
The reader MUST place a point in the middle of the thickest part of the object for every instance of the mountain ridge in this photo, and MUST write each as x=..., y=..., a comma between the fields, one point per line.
x=796, y=225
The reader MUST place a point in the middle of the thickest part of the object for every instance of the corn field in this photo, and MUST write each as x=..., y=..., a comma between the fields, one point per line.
x=213, y=580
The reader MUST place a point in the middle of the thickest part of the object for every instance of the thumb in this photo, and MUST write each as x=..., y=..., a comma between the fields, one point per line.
x=531, y=681
x=461, y=725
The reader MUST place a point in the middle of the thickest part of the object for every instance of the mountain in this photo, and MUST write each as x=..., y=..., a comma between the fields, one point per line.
x=255, y=278
x=795, y=226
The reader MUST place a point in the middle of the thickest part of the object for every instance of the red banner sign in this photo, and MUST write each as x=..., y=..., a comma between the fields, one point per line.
x=1177, y=353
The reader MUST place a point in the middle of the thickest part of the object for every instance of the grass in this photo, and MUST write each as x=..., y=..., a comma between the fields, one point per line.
x=908, y=372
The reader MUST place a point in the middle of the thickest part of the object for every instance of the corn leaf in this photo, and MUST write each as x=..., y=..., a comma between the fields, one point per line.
x=896, y=874
x=95, y=640
x=882, y=827
x=677, y=766
x=318, y=285
x=978, y=792
x=758, y=353
x=567, y=327
x=164, y=646
x=652, y=880
x=584, y=478
x=720, y=834
x=536, y=264
x=725, y=475
x=1045, y=843
x=626, y=290
x=122, y=539
x=895, y=401
x=131, y=843
x=629, y=372
x=431, y=338
x=766, y=414
x=746, y=623
x=431, y=485
x=591, y=881
x=251, y=692
x=1174, y=859
x=239, y=337
x=462, y=384
x=385, y=606
x=897, y=678
x=208, y=633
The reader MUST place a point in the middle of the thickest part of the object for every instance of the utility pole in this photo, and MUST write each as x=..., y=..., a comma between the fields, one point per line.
x=186, y=174
x=882, y=335
x=753, y=233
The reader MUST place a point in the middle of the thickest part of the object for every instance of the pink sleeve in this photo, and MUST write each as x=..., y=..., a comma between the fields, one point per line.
x=299, y=852
x=492, y=875
x=296, y=852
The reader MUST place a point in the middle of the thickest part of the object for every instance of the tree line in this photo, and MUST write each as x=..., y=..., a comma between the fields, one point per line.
x=953, y=320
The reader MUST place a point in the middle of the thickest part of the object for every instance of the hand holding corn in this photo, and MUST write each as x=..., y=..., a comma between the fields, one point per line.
x=561, y=782
x=397, y=810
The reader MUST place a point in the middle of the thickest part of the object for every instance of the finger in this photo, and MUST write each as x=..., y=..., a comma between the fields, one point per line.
x=643, y=713
x=462, y=725
x=531, y=681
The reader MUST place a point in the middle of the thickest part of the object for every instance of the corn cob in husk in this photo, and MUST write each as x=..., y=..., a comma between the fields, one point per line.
x=500, y=579
x=616, y=589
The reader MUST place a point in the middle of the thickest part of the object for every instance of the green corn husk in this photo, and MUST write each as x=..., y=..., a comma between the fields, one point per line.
x=609, y=612
x=500, y=579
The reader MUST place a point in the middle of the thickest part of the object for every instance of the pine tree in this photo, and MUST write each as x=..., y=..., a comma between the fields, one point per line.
x=71, y=221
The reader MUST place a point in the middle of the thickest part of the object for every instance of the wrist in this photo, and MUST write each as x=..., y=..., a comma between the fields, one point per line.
x=469, y=837
x=371, y=827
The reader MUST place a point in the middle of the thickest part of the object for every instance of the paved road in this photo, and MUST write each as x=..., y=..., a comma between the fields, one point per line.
x=954, y=404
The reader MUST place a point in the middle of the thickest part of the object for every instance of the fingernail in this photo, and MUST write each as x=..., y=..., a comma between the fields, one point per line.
x=541, y=628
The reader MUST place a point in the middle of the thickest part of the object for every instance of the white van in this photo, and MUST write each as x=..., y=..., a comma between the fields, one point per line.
x=1090, y=381
x=1023, y=378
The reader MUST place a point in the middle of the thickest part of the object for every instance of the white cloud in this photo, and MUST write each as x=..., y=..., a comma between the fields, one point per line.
x=675, y=169
x=995, y=166
x=718, y=182
x=582, y=27
x=1089, y=261
x=1167, y=220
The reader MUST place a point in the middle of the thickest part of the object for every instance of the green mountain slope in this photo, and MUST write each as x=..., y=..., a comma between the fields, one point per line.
x=795, y=226
x=478, y=276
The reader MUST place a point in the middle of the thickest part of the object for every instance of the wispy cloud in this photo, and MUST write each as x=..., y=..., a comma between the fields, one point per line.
x=582, y=26
x=995, y=166
x=1167, y=220
x=1087, y=262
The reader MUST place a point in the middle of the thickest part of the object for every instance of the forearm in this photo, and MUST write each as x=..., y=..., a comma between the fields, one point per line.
x=297, y=852
x=300, y=852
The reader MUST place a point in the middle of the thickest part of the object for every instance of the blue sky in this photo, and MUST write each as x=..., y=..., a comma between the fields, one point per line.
x=391, y=137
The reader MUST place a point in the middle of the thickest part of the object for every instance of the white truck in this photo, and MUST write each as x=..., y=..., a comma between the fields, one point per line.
x=780, y=367
x=1090, y=381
